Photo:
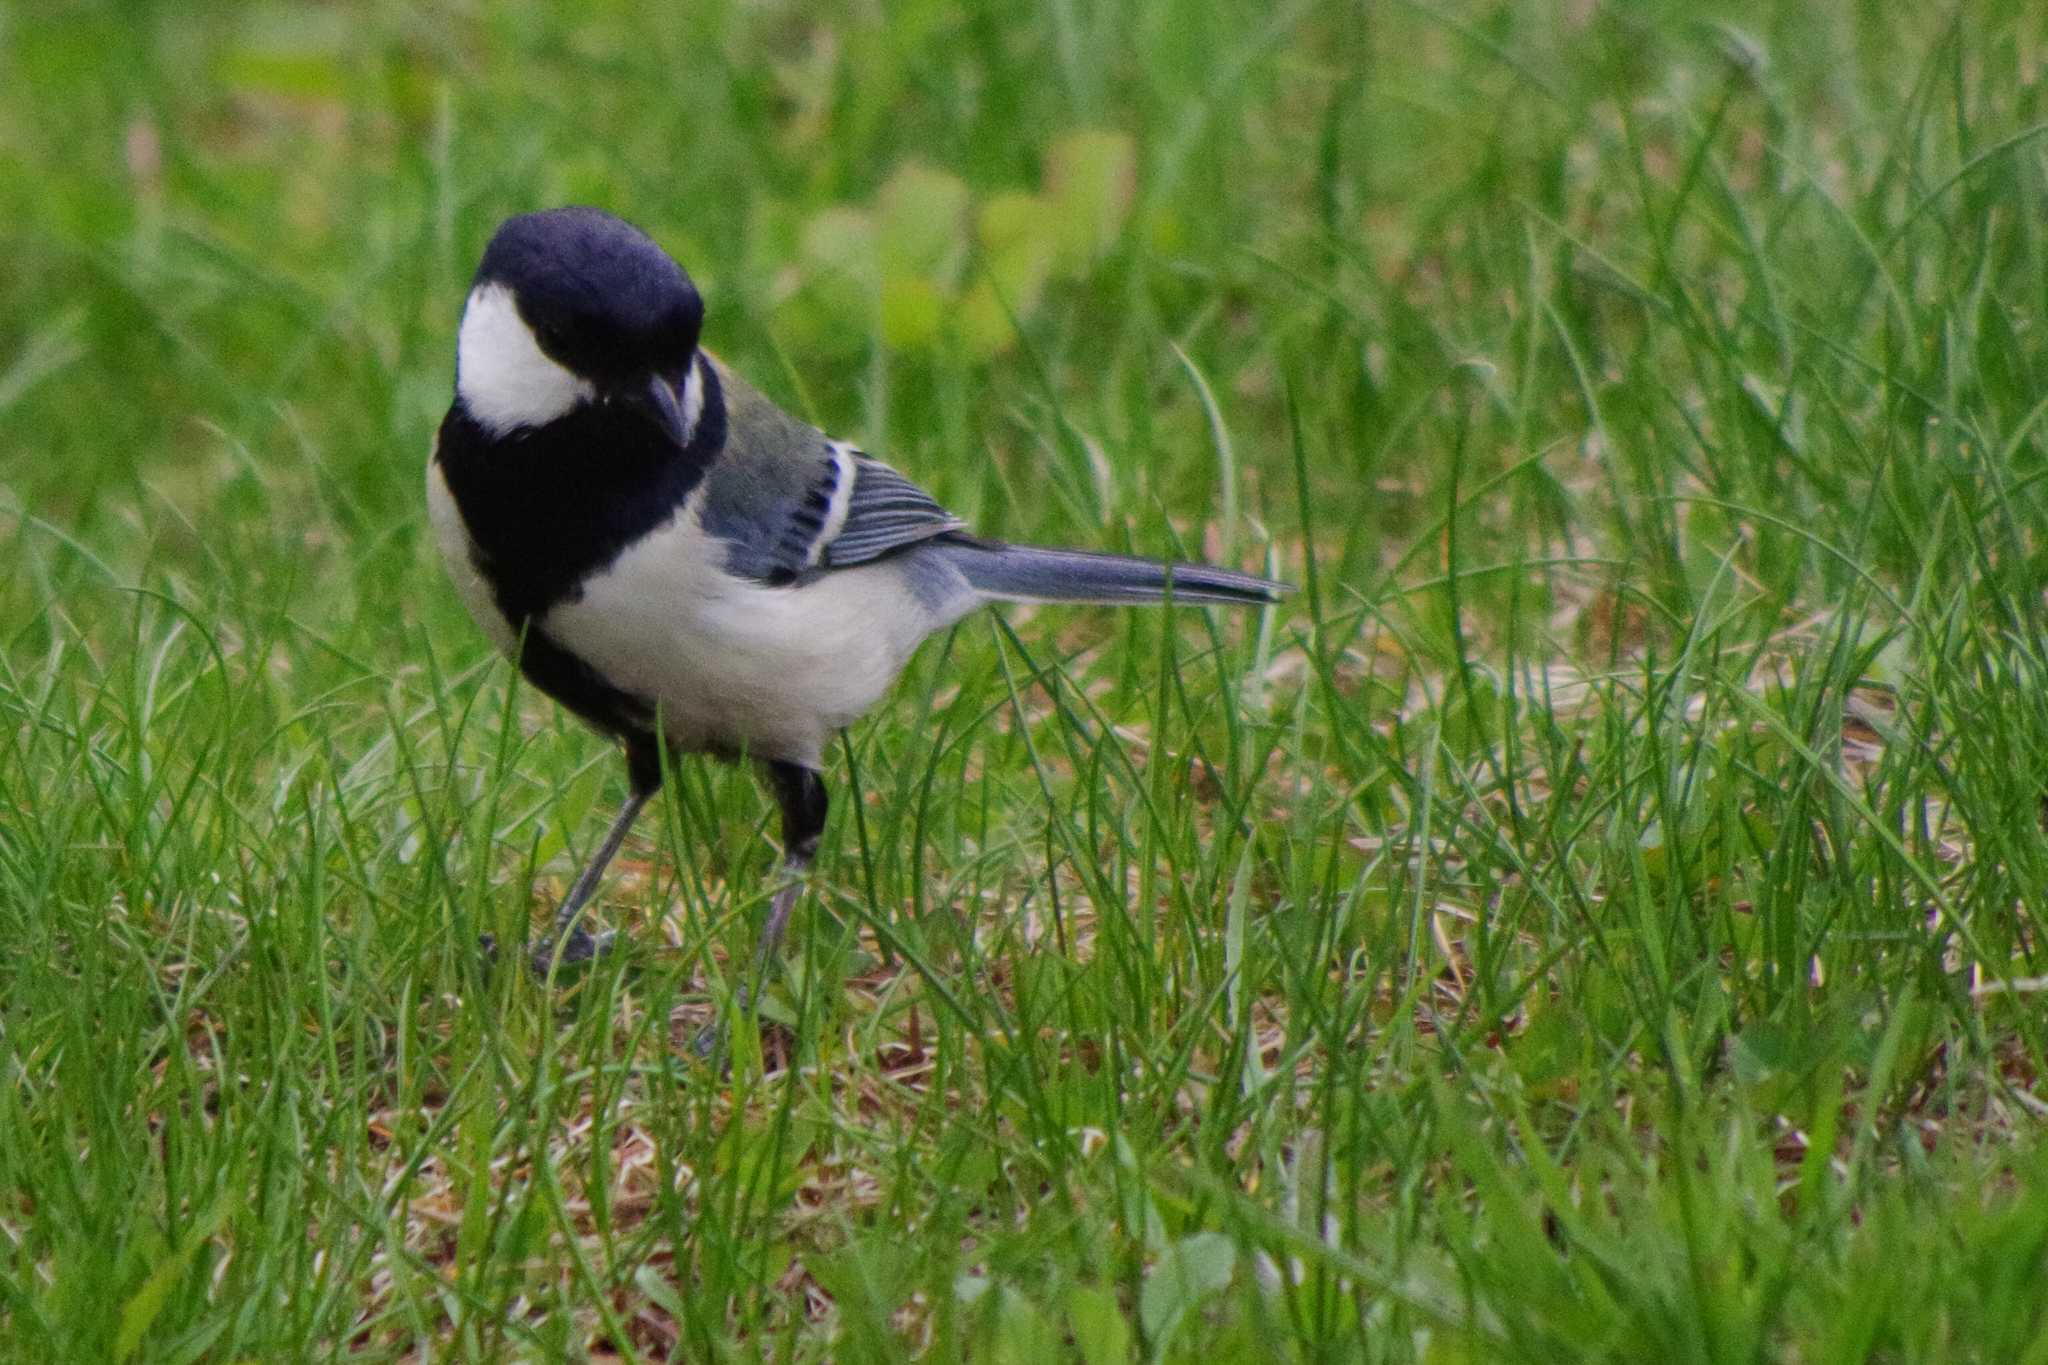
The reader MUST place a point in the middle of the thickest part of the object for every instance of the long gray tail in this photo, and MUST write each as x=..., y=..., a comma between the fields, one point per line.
x=1031, y=573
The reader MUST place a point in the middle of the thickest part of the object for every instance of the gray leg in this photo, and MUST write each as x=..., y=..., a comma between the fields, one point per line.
x=569, y=941
x=800, y=792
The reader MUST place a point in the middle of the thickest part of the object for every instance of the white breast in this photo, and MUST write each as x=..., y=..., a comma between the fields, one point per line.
x=734, y=664
x=457, y=554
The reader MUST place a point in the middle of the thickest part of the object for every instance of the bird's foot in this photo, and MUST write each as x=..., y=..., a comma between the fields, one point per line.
x=709, y=1044
x=570, y=951
x=775, y=1036
x=574, y=949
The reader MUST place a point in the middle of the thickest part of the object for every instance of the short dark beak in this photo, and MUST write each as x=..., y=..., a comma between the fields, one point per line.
x=661, y=405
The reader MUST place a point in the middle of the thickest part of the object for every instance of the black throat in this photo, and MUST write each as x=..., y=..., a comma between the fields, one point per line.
x=547, y=507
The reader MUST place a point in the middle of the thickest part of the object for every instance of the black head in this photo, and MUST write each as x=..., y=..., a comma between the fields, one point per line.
x=601, y=298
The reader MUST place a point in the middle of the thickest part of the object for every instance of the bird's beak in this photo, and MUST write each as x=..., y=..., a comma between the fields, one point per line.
x=663, y=406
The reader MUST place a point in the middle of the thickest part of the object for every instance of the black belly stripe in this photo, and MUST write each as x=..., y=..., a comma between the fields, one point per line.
x=579, y=687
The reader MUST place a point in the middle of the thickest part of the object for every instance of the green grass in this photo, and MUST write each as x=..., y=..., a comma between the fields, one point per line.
x=1599, y=918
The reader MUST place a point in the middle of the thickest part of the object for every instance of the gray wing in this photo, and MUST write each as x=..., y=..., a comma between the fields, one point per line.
x=789, y=502
x=884, y=512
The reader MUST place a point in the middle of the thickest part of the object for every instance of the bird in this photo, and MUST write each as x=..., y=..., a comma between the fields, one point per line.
x=684, y=566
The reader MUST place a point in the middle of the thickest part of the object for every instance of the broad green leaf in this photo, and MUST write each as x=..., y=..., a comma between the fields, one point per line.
x=838, y=251
x=913, y=312
x=1098, y=1326
x=1091, y=177
x=921, y=225
x=1022, y=1335
x=1192, y=1270
x=1020, y=239
x=983, y=323
x=1019, y=243
x=834, y=305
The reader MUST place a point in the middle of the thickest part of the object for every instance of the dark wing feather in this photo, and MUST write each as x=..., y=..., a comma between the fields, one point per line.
x=835, y=508
x=884, y=512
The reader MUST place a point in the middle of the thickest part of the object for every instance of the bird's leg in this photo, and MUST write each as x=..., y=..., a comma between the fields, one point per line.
x=568, y=941
x=800, y=793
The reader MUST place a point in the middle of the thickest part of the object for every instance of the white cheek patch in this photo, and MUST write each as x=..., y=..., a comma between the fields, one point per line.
x=502, y=375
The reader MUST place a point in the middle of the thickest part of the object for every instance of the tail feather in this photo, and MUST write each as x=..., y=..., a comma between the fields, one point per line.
x=1031, y=573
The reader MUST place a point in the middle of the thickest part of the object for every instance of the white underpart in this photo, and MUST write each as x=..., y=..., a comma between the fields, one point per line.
x=736, y=664
x=458, y=554
x=841, y=502
x=502, y=375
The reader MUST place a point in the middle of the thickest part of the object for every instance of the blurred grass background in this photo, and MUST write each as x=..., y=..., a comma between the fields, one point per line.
x=1598, y=919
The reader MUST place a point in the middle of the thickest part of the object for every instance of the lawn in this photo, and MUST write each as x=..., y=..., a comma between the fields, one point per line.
x=1599, y=917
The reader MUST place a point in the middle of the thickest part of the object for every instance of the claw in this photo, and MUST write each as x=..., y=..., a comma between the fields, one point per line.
x=709, y=1046
x=573, y=950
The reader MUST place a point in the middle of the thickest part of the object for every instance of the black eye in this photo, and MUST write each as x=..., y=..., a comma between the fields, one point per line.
x=549, y=336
